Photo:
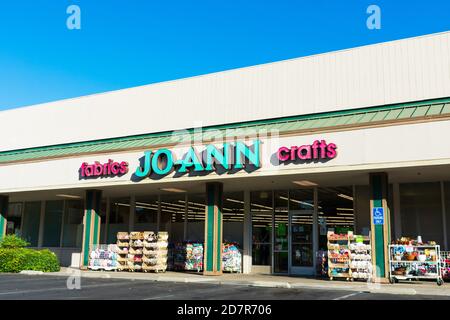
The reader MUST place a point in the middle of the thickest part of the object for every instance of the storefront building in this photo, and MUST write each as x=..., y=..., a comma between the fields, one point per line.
x=270, y=157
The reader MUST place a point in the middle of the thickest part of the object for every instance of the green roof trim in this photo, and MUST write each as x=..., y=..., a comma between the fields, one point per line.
x=319, y=121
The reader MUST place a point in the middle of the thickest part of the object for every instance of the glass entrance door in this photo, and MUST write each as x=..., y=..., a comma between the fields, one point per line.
x=281, y=233
x=301, y=242
x=302, y=231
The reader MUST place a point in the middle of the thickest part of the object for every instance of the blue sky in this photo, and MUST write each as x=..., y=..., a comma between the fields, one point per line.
x=128, y=43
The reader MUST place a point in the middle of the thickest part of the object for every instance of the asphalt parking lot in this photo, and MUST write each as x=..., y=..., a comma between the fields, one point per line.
x=15, y=287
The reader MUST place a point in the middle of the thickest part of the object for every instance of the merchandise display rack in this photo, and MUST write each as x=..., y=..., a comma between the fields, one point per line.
x=360, y=257
x=155, y=251
x=349, y=256
x=123, y=244
x=231, y=257
x=338, y=256
x=415, y=262
x=135, y=254
x=103, y=257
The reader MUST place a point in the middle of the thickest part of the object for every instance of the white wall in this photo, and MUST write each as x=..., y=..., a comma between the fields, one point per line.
x=381, y=147
x=400, y=71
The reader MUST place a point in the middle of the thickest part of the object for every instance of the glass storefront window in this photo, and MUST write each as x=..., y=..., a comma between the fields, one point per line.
x=31, y=222
x=52, y=223
x=119, y=218
x=73, y=224
x=335, y=212
x=261, y=211
x=421, y=211
x=146, y=214
x=14, y=218
x=281, y=240
x=233, y=217
x=172, y=215
x=196, y=217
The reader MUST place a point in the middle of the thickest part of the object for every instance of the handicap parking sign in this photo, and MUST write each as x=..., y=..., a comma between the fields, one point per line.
x=378, y=215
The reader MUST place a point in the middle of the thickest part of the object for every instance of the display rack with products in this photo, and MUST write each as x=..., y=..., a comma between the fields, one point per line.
x=123, y=244
x=338, y=256
x=103, y=257
x=155, y=251
x=188, y=256
x=415, y=261
x=135, y=253
x=360, y=257
x=349, y=256
x=231, y=258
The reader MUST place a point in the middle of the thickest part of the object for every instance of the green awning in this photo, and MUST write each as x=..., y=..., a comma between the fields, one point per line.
x=305, y=123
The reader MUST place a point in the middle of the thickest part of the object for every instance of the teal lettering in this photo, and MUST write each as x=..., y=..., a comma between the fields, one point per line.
x=191, y=159
x=243, y=150
x=155, y=161
x=144, y=172
x=221, y=158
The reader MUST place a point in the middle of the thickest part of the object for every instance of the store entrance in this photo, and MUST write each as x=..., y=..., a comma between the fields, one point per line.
x=294, y=232
x=301, y=238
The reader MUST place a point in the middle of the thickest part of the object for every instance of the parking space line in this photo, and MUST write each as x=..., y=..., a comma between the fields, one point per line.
x=348, y=296
x=62, y=288
x=160, y=297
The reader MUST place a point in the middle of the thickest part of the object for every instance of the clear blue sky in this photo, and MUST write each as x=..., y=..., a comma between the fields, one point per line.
x=128, y=43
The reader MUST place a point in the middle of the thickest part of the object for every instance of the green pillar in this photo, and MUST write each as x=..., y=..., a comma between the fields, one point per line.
x=213, y=229
x=380, y=227
x=4, y=200
x=91, y=224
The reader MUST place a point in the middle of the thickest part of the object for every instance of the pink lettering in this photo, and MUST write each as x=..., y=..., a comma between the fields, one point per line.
x=318, y=150
x=281, y=154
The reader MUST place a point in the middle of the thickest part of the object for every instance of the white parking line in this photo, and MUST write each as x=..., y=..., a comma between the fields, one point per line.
x=62, y=288
x=160, y=297
x=348, y=296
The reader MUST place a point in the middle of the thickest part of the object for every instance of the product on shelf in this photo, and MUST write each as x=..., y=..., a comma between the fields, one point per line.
x=103, y=257
x=231, y=258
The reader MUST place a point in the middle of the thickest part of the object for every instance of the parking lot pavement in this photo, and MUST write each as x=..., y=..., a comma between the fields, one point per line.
x=55, y=287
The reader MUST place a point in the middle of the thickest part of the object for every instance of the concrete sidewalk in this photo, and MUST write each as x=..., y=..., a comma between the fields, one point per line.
x=271, y=281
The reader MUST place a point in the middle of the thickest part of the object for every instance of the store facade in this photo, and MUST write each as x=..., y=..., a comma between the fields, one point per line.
x=274, y=185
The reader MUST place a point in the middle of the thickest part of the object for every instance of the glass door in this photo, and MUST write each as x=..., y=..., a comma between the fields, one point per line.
x=301, y=232
x=281, y=233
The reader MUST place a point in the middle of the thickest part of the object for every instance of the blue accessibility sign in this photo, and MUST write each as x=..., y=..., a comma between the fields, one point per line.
x=378, y=215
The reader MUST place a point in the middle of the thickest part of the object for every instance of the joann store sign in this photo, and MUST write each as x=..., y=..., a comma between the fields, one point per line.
x=228, y=158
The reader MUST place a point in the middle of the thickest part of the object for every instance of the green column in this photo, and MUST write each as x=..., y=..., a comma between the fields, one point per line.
x=4, y=200
x=91, y=224
x=213, y=229
x=380, y=232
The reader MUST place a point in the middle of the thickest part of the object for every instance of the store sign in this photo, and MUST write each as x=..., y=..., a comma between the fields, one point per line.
x=378, y=215
x=109, y=169
x=229, y=157
x=318, y=150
